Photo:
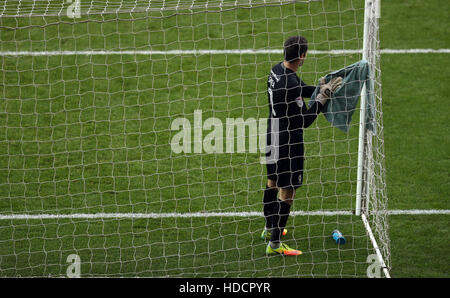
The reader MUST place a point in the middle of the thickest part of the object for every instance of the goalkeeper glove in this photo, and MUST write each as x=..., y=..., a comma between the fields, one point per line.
x=327, y=89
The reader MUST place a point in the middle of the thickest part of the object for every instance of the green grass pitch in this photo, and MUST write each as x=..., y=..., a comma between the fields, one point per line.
x=91, y=134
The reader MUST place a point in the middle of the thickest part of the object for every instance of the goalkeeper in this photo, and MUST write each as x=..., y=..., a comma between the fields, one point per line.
x=290, y=114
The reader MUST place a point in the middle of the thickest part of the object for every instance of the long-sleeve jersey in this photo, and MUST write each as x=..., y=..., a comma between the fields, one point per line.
x=285, y=92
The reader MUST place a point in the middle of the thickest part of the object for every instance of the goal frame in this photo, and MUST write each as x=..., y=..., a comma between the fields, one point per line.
x=364, y=173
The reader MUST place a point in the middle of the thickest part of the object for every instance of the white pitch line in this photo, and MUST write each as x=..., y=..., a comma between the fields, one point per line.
x=201, y=214
x=161, y=215
x=415, y=51
x=213, y=52
x=419, y=212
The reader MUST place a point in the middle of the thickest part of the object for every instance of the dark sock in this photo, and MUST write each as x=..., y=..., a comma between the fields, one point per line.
x=270, y=200
x=280, y=218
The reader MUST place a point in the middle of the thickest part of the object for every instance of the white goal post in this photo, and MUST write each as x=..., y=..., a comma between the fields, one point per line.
x=132, y=139
x=368, y=164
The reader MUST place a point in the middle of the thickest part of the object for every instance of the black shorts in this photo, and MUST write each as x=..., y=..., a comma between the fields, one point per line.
x=287, y=170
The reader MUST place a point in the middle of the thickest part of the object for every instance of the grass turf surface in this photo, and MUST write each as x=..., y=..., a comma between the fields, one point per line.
x=91, y=134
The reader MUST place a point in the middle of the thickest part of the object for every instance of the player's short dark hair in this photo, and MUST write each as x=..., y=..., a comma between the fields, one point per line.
x=294, y=48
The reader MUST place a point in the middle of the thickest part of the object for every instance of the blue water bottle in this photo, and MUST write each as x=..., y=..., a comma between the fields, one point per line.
x=338, y=237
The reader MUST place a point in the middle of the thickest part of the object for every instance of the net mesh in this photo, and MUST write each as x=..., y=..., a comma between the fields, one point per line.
x=117, y=141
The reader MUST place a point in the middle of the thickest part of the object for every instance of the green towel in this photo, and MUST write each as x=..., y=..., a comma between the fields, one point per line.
x=340, y=109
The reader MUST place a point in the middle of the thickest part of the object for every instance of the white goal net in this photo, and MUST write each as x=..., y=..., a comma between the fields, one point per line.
x=132, y=132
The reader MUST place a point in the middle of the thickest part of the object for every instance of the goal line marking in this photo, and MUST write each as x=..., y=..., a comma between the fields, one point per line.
x=202, y=214
x=213, y=52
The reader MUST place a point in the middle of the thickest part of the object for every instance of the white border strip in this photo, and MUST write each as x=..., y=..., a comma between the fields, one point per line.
x=200, y=214
x=214, y=52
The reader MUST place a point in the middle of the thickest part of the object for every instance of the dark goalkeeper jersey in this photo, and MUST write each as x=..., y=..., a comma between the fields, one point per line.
x=284, y=158
x=285, y=92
